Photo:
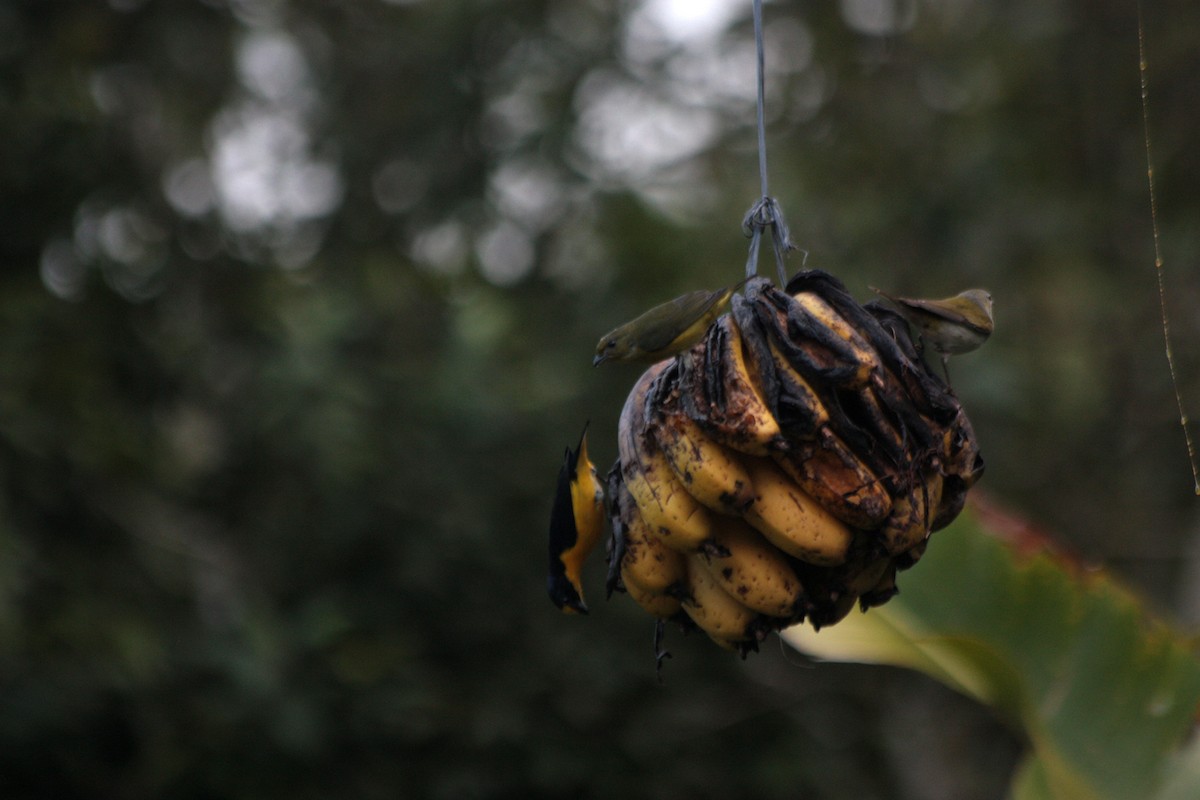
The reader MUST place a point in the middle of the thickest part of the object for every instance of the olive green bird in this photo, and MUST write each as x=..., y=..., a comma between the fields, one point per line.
x=952, y=325
x=666, y=329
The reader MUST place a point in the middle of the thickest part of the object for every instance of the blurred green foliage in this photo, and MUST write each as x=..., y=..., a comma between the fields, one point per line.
x=298, y=305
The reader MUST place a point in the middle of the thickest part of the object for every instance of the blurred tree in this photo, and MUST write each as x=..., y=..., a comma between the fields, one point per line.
x=298, y=302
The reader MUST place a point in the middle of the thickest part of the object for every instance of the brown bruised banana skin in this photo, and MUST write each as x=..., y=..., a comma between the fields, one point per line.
x=647, y=561
x=682, y=522
x=753, y=571
x=883, y=590
x=911, y=521
x=888, y=334
x=714, y=610
x=792, y=402
x=711, y=473
x=909, y=558
x=839, y=480
x=791, y=519
x=718, y=393
x=811, y=348
x=825, y=314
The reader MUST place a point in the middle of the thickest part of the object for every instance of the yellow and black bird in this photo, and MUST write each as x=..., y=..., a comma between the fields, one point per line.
x=666, y=329
x=576, y=523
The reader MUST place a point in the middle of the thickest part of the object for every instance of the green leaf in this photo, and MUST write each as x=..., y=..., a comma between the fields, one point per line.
x=1104, y=692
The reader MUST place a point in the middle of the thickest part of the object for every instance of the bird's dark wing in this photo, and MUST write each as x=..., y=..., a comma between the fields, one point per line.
x=562, y=515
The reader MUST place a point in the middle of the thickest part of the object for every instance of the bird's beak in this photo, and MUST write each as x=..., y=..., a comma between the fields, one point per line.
x=599, y=359
x=576, y=606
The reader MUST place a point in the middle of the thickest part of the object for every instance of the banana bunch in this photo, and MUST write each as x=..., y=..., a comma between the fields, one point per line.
x=785, y=467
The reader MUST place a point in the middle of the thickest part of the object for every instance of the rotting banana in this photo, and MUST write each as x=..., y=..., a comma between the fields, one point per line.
x=826, y=315
x=883, y=590
x=888, y=334
x=753, y=571
x=713, y=609
x=839, y=480
x=813, y=349
x=869, y=415
x=710, y=472
x=791, y=400
x=910, y=521
x=717, y=392
x=909, y=558
x=663, y=501
x=791, y=519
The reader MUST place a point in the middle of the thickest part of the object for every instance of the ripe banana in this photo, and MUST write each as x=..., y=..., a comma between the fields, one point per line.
x=839, y=480
x=711, y=473
x=663, y=501
x=656, y=604
x=713, y=609
x=791, y=519
x=647, y=561
x=752, y=571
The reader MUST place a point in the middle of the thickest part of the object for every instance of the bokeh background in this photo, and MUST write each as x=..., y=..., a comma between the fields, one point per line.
x=297, y=308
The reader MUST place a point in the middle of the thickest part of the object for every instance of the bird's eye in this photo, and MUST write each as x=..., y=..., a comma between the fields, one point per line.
x=610, y=344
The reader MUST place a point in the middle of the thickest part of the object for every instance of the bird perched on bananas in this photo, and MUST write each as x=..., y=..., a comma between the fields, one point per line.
x=952, y=325
x=576, y=523
x=666, y=329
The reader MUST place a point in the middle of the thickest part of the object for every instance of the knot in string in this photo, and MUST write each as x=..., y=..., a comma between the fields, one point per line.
x=765, y=215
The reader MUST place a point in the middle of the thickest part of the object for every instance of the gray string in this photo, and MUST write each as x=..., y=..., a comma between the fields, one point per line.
x=765, y=213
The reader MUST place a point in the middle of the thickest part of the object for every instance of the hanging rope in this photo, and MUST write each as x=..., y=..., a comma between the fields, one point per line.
x=765, y=213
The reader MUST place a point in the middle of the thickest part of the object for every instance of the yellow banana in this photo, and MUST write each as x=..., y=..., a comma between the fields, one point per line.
x=712, y=474
x=864, y=354
x=657, y=604
x=839, y=480
x=791, y=519
x=663, y=501
x=752, y=571
x=713, y=609
x=647, y=561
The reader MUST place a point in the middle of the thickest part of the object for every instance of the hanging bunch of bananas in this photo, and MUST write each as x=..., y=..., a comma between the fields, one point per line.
x=785, y=466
